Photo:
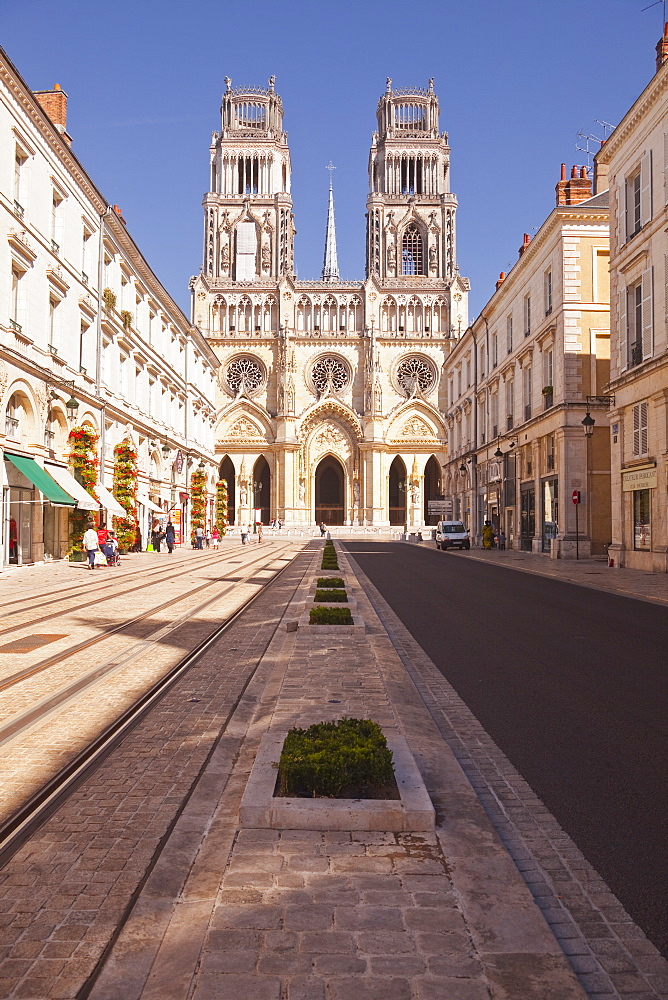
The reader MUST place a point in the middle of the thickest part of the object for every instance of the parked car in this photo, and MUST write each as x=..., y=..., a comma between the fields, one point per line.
x=452, y=535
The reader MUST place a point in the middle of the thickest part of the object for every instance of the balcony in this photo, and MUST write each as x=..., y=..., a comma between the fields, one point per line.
x=84, y=277
x=19, y=210
x=16, y=327
x=55, y=247
x=49, y=438
x=12, y=427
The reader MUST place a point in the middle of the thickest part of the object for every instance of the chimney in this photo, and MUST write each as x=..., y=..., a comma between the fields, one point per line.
x=574, y=190
x=662, y=48
x=502, y=278
x=54, y=104
x=119, y=214
x=525, y=243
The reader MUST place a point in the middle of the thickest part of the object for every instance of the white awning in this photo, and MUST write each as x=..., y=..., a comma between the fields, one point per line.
x=66, y=481
x=149, y=503
x=109, y=502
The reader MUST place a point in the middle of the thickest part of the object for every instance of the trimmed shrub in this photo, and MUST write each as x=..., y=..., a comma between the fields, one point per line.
x=330, y=616
x=329, y=564
x=330, y=581
x=331, y=596
x=344, y=759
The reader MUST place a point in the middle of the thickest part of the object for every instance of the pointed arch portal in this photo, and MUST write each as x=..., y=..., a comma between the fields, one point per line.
x=329, y=491
x=261, y=487
x=432, y=488
x=397, y=491
x=227, y=472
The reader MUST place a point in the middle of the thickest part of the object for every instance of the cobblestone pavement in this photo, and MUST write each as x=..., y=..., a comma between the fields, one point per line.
x=65, y=893
x=303, y=915
x=48, y=718
x=587, y=572
x=611, y=955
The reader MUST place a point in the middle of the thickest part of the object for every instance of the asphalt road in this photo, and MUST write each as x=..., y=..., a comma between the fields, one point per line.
x=570, y=683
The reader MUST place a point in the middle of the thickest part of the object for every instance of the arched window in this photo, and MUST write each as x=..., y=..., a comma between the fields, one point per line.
x=411, y=251
x=329, y=313
x=245, y=315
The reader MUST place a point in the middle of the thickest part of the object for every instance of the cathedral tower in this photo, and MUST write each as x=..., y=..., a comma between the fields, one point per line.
x=411, y=210
x=249, y=233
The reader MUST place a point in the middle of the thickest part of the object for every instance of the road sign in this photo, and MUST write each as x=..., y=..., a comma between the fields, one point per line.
x=439, y=506
x=576, y=496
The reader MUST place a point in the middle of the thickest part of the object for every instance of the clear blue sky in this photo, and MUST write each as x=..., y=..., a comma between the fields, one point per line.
x=516, y=81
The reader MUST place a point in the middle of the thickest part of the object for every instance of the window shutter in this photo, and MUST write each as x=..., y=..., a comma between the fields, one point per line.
x=622, y=215
x=646, y=187
x=624, y=345
x=647, y=310
x=640, y=442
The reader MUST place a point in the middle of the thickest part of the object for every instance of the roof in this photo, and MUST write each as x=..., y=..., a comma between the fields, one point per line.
x=600, y=200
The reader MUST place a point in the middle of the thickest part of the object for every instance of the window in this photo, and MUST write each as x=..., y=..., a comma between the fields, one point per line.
x=468, y=373
x=550, y=454
x=20, y=159
x=411, y=251
x=494, y=413
x=459, y=382
x=640, y=442
x=548, y=292
x=16, y=303
x=509, y=333
x=86, y=255
x=56, y=221
x=638, y=197
x=83, y=346
x=482, y=362
x=636, y=315
x=642, y=536
x=53, y=325
x=527, y=315
x=495, y=354
x=510, y=404
x=526, y=375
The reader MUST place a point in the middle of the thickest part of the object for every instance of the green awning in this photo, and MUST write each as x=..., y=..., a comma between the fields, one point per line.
x=42, y=480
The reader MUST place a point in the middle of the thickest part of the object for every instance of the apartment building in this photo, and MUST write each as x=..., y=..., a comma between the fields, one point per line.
x=633, y=163
x=522, y=379
x=89, y=338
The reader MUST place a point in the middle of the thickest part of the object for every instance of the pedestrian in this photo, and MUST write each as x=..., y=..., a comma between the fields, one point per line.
x=90, y=544
x=502, y=541
x=170, y=537
x=114, y=559
x=259, y=532
x=156, y=536
x=207, y=538
x=215, y=536
x=244, y=535
x=323, y=529
x=279, y=524
x=199, y=536
x=103, y=541
x=487, y=535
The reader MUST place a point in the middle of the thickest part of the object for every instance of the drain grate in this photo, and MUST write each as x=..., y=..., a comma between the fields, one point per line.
x=29, y=642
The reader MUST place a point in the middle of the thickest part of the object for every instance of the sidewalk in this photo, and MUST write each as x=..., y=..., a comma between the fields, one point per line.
x=586, y=572
x=249, y=914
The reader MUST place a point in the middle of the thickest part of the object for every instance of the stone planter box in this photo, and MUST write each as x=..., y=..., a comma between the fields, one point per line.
x=413, y=812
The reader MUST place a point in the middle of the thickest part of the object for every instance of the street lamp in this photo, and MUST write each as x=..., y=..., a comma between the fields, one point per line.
x=498, y=453
x=72, y=407
x=165, y=450
x=201, y=465
x=588, y=424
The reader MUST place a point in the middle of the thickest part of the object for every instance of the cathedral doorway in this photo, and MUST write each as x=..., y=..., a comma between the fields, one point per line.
x=432, y=488
x=227, y=472
x=397, y=492
x=261, y=487
x=329, y=491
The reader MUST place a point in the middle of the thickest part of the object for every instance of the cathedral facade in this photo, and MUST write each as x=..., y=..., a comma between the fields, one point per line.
x=331, y=398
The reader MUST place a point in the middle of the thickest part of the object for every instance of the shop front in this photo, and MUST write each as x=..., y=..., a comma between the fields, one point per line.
x=27, y=489
x=527, y=516
x=639, y=487
x=549, y=512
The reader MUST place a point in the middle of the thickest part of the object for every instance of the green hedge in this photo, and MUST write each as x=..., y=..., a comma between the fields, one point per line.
x=330, y=616
x=329, y=564
x=345, y=759
x=331, y=596
x=330, y=581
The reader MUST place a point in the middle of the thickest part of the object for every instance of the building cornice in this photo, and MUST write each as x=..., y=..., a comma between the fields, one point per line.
x=652, y=93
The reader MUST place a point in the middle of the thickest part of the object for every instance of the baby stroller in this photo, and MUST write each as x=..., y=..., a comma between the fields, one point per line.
x=113, y=556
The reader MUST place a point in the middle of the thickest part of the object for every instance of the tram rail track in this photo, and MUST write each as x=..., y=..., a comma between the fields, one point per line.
x=88, y=592
x=27, y=818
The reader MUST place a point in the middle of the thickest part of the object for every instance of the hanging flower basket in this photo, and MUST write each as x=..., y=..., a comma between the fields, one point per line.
x=198, y=497
x=125, y=491
x=82, y=457
x=221, y=506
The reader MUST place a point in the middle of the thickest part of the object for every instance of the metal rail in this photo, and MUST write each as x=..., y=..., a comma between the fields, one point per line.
x=36, y=810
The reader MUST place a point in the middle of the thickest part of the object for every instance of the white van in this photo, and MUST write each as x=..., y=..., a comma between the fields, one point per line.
x=452, y=535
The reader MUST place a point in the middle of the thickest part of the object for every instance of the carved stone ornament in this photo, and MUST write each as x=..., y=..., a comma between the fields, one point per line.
x=243, y=376
x=327, y=438
x=329, y=374
x=244, y=428
x=415, y=428
x=416, y=375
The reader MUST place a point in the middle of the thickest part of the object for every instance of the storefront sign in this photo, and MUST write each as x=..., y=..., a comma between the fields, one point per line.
x=640, y=479
x=439, y=506
x=175, y=518
x=178, y=462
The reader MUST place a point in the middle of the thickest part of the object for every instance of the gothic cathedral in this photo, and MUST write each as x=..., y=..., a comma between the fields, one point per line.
x=331, y=399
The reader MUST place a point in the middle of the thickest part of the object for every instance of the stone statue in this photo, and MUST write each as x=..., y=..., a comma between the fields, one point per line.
x=391, y=255
x=433, y=255
x=266, y=257
x=356, y=493
x=302, y=494
x=243, y=497
x=225, y=257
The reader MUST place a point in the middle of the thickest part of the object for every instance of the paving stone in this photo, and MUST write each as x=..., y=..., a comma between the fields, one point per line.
x=361, y=989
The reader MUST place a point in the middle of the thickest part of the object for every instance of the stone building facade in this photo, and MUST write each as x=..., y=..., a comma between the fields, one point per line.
x=521, y=380
x=85, y=326
x=633, y=163
x=330, y=394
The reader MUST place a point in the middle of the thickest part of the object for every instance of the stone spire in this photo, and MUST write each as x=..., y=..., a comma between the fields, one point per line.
x=330, y=268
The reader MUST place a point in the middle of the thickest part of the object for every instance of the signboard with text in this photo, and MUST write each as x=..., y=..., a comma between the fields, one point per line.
x=175, y=518
x=439, y=506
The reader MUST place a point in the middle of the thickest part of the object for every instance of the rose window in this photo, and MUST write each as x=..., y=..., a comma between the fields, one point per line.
x=416, y=374
x=329, y=374
x=244, y=375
